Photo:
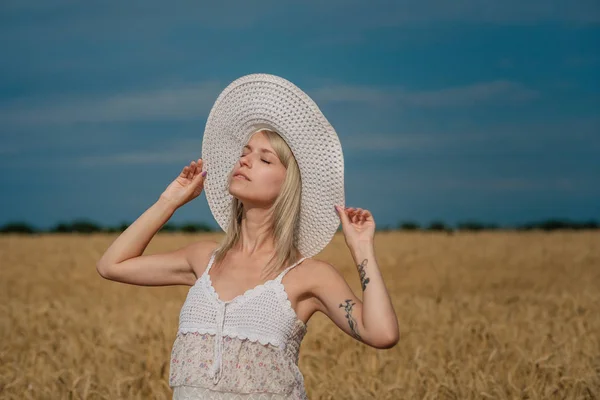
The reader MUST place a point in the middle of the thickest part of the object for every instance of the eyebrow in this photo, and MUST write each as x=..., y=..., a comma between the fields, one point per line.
x=262, y=150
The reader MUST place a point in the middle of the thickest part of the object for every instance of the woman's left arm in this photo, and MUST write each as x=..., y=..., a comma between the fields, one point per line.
x=378, y=314
x=372, y=320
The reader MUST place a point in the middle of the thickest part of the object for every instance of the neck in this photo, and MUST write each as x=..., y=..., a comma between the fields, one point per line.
x=256, y=236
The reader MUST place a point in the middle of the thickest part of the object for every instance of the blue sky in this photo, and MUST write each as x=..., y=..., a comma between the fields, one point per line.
x=445, y=110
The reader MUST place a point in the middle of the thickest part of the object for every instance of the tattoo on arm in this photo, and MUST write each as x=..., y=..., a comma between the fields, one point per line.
x=351, y=321
x=362, y=273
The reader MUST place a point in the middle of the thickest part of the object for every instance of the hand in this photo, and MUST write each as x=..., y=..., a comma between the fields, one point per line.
x=358, y=226
x=187, y=186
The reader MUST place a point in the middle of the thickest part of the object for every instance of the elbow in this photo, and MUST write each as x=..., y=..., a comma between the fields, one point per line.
x=388, y=344
x=388, y=341
x=102, y=270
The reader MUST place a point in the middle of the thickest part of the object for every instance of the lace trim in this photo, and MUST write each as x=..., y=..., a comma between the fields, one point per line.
x=287, y=301
x=282, y=293
x=242, y=336
x=192, y=329
x=237, y=298
x=250, y=291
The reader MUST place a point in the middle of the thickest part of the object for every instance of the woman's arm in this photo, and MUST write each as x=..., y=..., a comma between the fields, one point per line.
x=133, y=241
x=378, y=312
x=123, y=260
x=373, y=320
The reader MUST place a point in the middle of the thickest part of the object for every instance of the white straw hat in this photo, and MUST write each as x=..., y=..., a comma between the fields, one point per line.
x=258, y=101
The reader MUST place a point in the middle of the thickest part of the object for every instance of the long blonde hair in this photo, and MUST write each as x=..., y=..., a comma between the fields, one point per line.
x=285, y=213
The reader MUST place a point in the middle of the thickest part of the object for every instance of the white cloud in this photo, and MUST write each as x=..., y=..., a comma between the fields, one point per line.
x=505, y=91
x=407, y=141
x=108, y=17
x=378, y=13
x=467, y=95
x=353, y=93
x=194, y=100
x=173, y=152
x=170, y=103
x=181, y=151
x=516, y=184
x=8, y=150
x=559, y=137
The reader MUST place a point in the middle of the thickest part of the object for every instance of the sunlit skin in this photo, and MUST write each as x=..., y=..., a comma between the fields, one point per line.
x=317, y=285
x=371, y=320
x=266, y=174
x=265, y=171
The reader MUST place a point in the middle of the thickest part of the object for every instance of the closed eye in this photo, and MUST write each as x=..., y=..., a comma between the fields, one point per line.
x=265, y=161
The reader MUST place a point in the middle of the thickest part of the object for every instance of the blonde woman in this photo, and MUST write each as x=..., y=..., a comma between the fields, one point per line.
x=272, y=171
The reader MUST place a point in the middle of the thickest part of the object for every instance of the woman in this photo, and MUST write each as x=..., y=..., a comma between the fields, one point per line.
x=273, y=172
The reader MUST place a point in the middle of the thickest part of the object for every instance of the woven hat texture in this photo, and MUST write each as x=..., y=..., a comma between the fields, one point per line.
x=258, y=101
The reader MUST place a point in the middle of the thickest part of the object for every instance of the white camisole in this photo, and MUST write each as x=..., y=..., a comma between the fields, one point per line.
x=245, y=348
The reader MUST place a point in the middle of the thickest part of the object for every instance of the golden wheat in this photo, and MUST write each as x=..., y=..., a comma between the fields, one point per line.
x=488, y=315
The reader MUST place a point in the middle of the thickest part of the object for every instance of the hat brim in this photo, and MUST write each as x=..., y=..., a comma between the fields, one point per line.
x=267, y=101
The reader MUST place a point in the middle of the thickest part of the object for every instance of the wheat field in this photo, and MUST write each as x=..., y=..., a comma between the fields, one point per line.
x=483, y=315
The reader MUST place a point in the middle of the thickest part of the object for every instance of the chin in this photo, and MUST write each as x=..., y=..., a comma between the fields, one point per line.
x=237, y=193
x=247, y=196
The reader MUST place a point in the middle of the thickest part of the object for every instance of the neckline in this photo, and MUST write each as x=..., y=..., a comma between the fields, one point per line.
x=239, y=296
x=248, y=292
x=216, y=296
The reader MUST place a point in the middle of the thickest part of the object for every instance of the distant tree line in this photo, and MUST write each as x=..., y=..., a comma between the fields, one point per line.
x=88, y=226
x=545, y=225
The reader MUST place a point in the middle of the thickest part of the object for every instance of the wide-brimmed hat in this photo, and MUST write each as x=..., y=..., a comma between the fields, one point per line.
x=258, y=101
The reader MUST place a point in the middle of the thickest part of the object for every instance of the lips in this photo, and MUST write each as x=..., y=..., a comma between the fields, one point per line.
x=241, y=175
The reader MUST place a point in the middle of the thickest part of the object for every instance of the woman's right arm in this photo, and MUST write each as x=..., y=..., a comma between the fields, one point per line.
x=123, y=260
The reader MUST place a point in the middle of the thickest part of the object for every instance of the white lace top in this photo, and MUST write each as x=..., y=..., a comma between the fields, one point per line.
x=245, y=348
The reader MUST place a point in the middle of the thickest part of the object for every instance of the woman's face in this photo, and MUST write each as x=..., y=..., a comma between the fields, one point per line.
x=264, y=173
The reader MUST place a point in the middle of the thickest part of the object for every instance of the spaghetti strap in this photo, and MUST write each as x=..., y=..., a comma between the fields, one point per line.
x=210, y=262
x=285, y=271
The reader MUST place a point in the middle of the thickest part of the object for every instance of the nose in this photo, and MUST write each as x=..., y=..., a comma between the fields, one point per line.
x=244, y=161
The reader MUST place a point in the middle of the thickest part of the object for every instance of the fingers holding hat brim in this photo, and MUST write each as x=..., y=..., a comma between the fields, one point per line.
x=358, y=214
x=193, y=170
x=342, y=213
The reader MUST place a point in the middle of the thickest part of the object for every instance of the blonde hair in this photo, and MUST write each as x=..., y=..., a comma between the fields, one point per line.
x=285, y=213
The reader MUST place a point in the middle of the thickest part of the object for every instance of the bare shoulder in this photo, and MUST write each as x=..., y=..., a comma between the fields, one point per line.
x=317, y=273
x=313, y=265
x=199, y=254
x=322, y=279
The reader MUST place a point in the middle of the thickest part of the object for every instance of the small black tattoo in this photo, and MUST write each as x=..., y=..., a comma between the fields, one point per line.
x=362, y=273
x=351, y=321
